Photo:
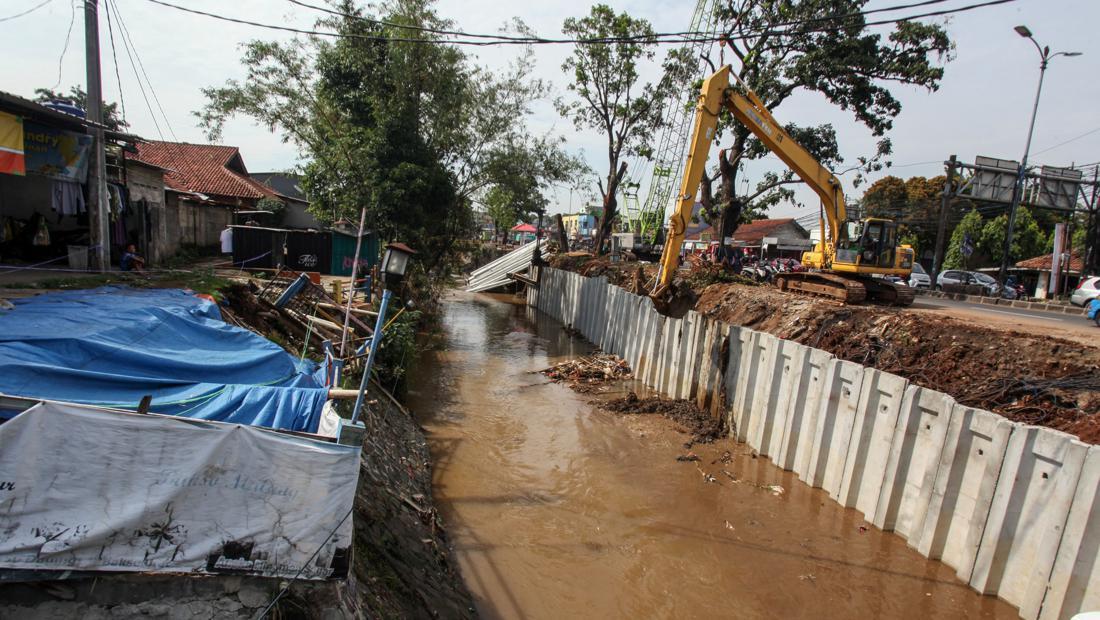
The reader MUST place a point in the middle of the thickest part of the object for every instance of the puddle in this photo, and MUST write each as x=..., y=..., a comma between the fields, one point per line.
x=558, y=509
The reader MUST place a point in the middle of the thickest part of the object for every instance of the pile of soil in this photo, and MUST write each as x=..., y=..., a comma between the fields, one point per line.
x=692, y=420
x=1026, y=378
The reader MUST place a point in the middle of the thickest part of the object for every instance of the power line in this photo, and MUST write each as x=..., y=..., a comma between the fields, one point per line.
x=657, y=38
x=68, y=35
x=133, y=66
x=125, y=32
x=27, y=12
x=1051, y=148
x=114, y=58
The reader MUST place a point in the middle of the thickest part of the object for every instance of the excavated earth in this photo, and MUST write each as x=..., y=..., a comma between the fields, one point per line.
x=1027, y=378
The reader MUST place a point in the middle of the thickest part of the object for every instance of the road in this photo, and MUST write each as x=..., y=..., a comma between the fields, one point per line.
x=1069, y=326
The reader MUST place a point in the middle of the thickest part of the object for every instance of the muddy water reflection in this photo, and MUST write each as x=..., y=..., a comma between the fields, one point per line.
x=557, y=509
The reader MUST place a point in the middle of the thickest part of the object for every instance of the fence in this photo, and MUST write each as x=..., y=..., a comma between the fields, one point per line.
x=1014, y=509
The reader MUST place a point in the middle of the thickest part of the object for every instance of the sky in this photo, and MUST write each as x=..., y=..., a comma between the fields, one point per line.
x=981, y=108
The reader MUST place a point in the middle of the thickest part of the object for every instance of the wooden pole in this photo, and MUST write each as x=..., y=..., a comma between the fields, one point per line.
x=354, y=274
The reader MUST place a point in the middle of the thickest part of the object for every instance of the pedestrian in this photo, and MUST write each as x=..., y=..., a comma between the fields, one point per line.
x=131, y=261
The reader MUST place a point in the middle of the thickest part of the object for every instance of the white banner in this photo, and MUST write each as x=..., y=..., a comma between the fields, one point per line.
x=83, y=488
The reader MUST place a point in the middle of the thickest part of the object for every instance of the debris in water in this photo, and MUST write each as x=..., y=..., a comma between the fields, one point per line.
x=588, y=370
x=703, y=427
x=689, y=457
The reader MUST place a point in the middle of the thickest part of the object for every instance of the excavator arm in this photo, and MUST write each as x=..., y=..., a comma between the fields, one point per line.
x=750, y=111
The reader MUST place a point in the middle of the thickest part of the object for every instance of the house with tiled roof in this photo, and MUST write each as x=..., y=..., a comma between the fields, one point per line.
x=205, y=186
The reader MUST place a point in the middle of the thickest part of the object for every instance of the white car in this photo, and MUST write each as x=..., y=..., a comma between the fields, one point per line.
x=919, y=278
x=1086, y=291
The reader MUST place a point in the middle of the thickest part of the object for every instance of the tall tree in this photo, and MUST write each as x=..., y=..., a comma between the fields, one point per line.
x=913, y=203
x=389, y=117
x=1028, y=238
x=970, y=228
x=607, y=94
x=112, y=118
x=784, y=47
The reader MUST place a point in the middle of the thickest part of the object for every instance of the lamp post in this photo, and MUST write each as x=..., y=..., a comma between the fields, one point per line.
x=1018, y=189
x=394, y=264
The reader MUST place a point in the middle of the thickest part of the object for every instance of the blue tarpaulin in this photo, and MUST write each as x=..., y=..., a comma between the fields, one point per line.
x=110, y=346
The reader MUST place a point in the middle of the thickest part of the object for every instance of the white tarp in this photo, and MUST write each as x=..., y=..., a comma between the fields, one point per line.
x=91, y=489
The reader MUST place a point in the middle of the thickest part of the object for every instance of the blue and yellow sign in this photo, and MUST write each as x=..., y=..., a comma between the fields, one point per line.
x=56, y=153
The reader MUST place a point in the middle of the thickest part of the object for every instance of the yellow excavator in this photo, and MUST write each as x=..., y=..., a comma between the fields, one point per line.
x=850, y=262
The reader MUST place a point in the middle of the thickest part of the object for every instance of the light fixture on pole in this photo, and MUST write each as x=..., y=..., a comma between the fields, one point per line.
x=395, y=264
x=1018, y=188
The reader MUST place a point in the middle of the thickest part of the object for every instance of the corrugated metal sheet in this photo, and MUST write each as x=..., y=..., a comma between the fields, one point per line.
x=495, y=274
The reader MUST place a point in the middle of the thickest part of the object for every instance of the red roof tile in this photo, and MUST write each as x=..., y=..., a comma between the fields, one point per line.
x=1042, y=263
x=202, y=168
x=752, y=233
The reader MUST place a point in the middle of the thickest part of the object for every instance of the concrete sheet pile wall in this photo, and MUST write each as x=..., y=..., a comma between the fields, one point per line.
x=1014, y=509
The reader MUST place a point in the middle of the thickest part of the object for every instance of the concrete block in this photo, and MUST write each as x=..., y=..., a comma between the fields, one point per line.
x=750, y=381
x=963, y=492
x=1075, y=580
x=800, y=422
x=770, y=405
x=880, y=399
x=1034, y=492
x=910, y=473
x=740, y=339
x=835, y=417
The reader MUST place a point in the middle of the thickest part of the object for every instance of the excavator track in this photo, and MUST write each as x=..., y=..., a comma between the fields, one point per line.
x=846, y=289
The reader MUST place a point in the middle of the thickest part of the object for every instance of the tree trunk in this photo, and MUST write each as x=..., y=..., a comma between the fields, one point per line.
x=730, y=217
x=563, y=239
x=610, y=208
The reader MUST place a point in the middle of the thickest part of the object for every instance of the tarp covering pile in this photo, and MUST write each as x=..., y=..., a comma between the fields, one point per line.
x=90, y=489
x=110, y=346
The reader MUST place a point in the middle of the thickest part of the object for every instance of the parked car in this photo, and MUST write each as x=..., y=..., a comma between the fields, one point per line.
x=971, y=282
x=992, y=287
x=1087, y=290
x=919, y=278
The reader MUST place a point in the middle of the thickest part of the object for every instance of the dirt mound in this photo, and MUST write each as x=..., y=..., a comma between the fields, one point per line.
x=1035, y=380
x=702, y=427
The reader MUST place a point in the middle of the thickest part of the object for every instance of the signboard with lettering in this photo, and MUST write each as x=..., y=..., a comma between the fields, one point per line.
x=56, y=153
x=92, y=489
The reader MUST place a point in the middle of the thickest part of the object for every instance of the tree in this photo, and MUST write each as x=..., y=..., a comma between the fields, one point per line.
x=608, y=97
x=914, y=204
x=388, y=118
x=970, y=227
x=823, y=46
x=1028, y=240
x=112, y=119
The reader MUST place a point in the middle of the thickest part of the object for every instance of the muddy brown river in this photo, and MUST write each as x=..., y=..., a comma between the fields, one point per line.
x=558, y=509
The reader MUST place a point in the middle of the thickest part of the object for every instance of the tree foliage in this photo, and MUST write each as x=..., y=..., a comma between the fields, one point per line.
x=112, y=118
x=397, y=123
x=607, y=96
x=1028, y=239
x=913, y=203
x=823, y=46
x=970, y=226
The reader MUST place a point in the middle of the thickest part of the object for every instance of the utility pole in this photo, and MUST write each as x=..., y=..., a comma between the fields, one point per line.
x=941, y=229
x=97, y=172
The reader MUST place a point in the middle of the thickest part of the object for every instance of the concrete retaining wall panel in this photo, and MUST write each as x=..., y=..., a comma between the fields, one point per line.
x=800, y=421
x=740, y=340
x=835, y=417
x=694, y=326
x=652, y=352
x=876, y=417
x=963, y=492
x=767, y=420
x=711, y=388
x=910, y=472
x=1034, y=492
x=670, y=357
x=634, y=330
x=1075, y=580
x=749, y=380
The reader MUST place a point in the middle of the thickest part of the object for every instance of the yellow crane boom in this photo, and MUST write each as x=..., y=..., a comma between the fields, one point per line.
x=845, y=275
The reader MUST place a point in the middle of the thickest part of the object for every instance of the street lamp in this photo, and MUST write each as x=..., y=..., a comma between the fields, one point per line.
x=1018, y=188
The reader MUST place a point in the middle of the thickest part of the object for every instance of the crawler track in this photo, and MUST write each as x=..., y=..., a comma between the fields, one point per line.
x=846, y=289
